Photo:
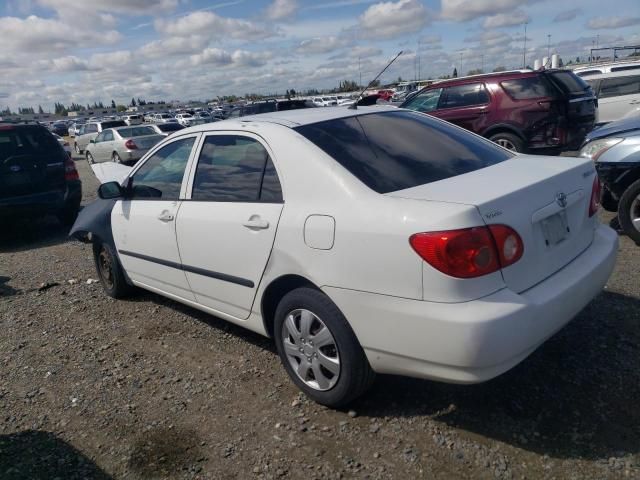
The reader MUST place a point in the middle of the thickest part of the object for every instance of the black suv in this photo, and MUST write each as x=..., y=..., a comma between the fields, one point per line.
x=37, y=176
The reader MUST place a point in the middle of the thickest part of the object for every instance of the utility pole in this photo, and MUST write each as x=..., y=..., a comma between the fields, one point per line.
x=549, y=46
x=524, y=48
x=359, y=73
x=482, y=67
x=460, y=74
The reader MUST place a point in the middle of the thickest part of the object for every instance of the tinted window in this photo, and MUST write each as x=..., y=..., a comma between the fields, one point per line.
x=231, y=169
x=425, y=101
x=615, y=87
x=135, y=132
x=528, y=87
x=113, y=123
x=91, y=128
x=628, y=67
x=419, y=150
x=161, y=175
x=27, y=141
x=588, y=72
x=170, y=127
x=569, y=82
x=464, y=96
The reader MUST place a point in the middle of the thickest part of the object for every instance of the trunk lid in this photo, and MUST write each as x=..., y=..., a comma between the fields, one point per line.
x=545, y=199
x=31, y=161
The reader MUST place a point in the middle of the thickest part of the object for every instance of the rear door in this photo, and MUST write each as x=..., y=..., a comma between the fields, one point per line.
x=618, y=96
x=144, y=227
x=464, y=105
x=227, y=227
x=31, y=162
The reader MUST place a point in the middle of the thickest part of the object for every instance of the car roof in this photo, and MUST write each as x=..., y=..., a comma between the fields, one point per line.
x=619, y=73
x=307, y=116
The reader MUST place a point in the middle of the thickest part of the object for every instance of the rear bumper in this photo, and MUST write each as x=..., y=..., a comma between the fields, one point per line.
x=474, y=341
x=43, y=202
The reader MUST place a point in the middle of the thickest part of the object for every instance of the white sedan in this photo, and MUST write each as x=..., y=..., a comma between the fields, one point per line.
x=361, y=241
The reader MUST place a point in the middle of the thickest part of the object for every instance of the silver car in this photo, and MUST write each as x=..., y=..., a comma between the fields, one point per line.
x=122, y=145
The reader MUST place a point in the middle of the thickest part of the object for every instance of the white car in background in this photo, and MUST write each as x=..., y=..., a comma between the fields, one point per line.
x=184, y=119
x=163, y=118
x=63, y=143
x=133, y=119
x=431, y=252
x=618, y=94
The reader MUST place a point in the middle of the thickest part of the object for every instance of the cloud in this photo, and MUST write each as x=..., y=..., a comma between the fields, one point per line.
x=518, y=17
x=464, y=10
x=174, y=46
x=325, y=44
x=135, y=7
x=222, y=58
x=68, y=64
x=599, y=23
x=567, y=15
x=430, y=39
x=393, y=19
x=213, y=26
x=281, y=9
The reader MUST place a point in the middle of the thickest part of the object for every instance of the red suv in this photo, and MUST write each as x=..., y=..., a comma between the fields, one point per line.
x=543, y=111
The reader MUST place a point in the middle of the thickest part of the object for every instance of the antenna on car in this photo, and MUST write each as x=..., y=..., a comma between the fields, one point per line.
x=354, y=106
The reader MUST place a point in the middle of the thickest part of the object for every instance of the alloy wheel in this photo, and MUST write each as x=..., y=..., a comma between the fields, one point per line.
x=77, y=147
x=505, y=143
x=311, y=350
x=634, y=213
x=116, y=158
x=89, y=158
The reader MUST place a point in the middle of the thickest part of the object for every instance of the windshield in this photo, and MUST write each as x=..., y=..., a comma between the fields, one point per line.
x=569, y=82
x=421, y=149
x=113, y=123
x=26, y=141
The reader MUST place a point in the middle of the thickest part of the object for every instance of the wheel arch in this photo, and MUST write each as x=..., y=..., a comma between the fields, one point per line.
x=274, y=292
x=504, y=128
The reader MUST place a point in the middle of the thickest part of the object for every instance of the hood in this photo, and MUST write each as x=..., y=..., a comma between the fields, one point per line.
x=618, y=127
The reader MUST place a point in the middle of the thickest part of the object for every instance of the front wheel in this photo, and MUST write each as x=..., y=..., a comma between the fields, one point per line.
x=77, y=148
x=319, y=350
x=509, y=141
x=90, y=159
x=629, y=211
x=110, y=272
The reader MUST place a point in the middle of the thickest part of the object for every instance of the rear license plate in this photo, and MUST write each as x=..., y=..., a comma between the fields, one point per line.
x=555, y=228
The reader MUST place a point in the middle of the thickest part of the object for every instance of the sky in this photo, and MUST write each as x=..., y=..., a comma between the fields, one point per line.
x=84, y=51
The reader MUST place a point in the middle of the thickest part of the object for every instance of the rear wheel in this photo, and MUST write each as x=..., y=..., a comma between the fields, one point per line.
x=319, y=350
x=629, y=211
x=509, y=141
x=90, y=158
x=110, y=272
x=116, y=158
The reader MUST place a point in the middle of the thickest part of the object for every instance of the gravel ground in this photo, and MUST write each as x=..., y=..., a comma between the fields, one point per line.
x=147, y=388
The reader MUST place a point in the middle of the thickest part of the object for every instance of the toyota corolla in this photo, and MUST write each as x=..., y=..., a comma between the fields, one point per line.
x=369, y=240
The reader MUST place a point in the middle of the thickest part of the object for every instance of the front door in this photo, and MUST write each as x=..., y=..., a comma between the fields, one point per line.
x=227, y=227
x=465, y=105
x=144, y=226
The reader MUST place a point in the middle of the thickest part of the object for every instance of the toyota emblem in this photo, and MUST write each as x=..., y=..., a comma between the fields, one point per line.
x=15, y=168
x=561, y=199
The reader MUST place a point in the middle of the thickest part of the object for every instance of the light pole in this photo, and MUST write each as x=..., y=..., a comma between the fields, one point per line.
x=359, y=73
x=460, y=72
x=549, y=45
x=524, y=48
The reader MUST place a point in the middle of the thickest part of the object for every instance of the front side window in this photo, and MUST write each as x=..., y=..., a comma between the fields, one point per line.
x=616, y=87
x=108, y=136
x=233, y=168
x=426, y=101
x=91, y=128
x=161, y=175
x=465, y=96
x=99, y=138
x=421, y=149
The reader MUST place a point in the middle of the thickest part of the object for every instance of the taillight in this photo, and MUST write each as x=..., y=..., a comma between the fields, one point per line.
x=70, y=172
x=131, y=145
x=469, y=252
x=594, y=203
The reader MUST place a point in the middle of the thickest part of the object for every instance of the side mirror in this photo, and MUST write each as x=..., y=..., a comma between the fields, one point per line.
x=92, y=140
x=110, y=190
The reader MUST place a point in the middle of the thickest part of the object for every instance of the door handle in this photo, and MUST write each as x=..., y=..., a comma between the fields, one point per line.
x=165, y=216
x=256, y=223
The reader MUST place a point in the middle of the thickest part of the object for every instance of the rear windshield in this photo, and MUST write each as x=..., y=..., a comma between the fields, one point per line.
x=569, y=82
x=135, y=132
x=170, y=127
x=27, y=141
x=528, y=88
x=113, y=123
x=392, y=151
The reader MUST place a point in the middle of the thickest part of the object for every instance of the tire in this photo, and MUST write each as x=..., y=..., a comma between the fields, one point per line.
x=115, y=158
x=67, y=216
x=110, y=272
x=351, y=375
x=90, y=159
x=509, y=141
x=629, y=210
x=77, y=148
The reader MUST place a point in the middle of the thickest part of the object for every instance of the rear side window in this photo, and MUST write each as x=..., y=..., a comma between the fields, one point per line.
x=135, y=132
x=113, y=123
x=234, y=168
x=27, y=141
x=616, y=87
x=569, y=82
x=528, y=88
x=393, y=151
x=464, y=96
x=170, y=127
